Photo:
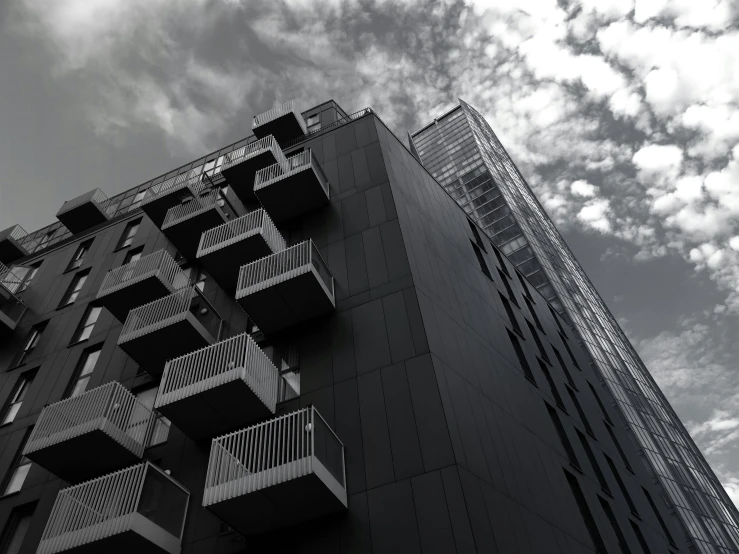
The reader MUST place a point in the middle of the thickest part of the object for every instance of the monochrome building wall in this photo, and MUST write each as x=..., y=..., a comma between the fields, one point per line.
x=463, y=153
x=300, y=343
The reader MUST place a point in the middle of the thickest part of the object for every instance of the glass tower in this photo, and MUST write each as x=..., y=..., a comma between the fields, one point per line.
x=462, y=152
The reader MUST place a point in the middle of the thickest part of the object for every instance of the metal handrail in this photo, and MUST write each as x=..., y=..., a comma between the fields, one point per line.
x=159, y=264
x=256, y=222
x=16, y=232
x=291, y=166
x=338, y=123
x=173, y=184
x=186, y=210
x=251, y=150
x=276, y=112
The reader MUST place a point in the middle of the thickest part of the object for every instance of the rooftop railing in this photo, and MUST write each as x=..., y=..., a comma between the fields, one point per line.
x=324, y=129
x=158, y=264
x=235, y=358
x=250, y=150
x=281, y=266
x=240, y=228
x=273, y=452
x=110, y=407
x=101, y=509
x=291, y=166
x=278, y=112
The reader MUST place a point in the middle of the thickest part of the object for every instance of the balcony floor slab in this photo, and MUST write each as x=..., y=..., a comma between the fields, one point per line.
x=223, y=263
x=135, y=294
x=10, y=251
x=293, y=196
x=185, y=234
x=83, y=217
x=283, y=128
x=240, y=177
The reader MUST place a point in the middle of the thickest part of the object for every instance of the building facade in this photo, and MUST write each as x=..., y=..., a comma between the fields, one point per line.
x=462, y=152
x=300, y=343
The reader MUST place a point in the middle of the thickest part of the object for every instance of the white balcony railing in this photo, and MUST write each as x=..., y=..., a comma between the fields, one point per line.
x=293, y=165
x=256, y=222
x=9, y=279
x=110, y=407
x=16, y=232
x=273, y=452
x=276, y=113
x=171, y=185
x=282, y=266
x=158, y=264
x=196, y=205
x=98, y=510
x=235, y=358
x=157, y=314
x=252, y=150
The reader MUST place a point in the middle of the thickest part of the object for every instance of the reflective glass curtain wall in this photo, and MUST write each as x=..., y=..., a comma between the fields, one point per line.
x=461, y=151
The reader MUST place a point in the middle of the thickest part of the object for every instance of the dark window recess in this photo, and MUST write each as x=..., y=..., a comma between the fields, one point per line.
x=78, y=281
x=15, y=401
x=621, y=452
x=537, y=340
x=562, y=364
x=621, y=484
x=640, y=537
x=661, y=521
x=129, y=233
x=501, y=263
x=19, y=469
x=552, y=385
x=34, y=336
x=623, y=545
x=555, y=316
x=567, y=347
x=600, y=403
x=133, y=255
x=532, y=311
x=511, y=315
x=562, y=434
x=79, y=255
x=476, y=234
x=87, y=324
x=593, y=462
x=481, y=260
x=585, y=513
x=521, y=357
x=526, y=292
x=83, y=372
x=580, y=412
x=508, y=288
x=16, y=528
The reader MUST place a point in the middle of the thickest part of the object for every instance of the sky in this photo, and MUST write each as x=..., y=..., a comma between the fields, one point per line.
x=623, y=115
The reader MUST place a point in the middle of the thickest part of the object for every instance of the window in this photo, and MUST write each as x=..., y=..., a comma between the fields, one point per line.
x=538, y=342
x=552, y=385
x=287, y=360
x=160, y=429
x=313, y=123
x=129, y=233
x=46, y=238
x=74, y=288
x=137, y=200
x=621, y=485
x=511, y=315
x=481, y=260
x=567, y=347
x=562, y=434
x=31, y=342
x=87, y=324
x=16, y=529
x=509, y=290
x=196, y=276
x=501, y=263
x=133, y=255
x=580, y=412
x=79, y=255
x=623, y=545
x=476, y=234
x=556, y=319
x=84, y=370
x=661, y=521
x=23, y=277
x=564, y=367
x=593, y=462
x=640, y=537
x=18, y=469
x=16, y=397
x=620, y=450
x=521, y=357
x=600, y=403
x=525, y=287
x=585, y=512
x=533, y=314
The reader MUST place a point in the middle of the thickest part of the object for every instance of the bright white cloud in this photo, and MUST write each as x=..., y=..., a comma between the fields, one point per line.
x=583, y=188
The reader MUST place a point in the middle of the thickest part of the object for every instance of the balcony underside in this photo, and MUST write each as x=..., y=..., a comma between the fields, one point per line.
x=7, y=325
x=135, y=294
x=86, y=456
x=283, y=128
x=223, y=263
x=216, y=411
x=156, y=208
x=152, y=350
x=240, y=177
x=185, y=234
x=143, y=537
x=293, y=195
x=283, y=505
x=288, y=303
x=11, y=250
x=83, y=217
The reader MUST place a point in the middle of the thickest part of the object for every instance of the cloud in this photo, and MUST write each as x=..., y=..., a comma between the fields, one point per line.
x=583, y=188
x=595, y=214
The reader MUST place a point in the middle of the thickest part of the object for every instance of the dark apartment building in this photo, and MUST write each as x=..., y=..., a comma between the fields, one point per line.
x=301, y=343
x=463, y=153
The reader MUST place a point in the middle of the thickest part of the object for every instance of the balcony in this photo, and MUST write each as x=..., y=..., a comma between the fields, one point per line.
x=140, y=282
x=169, y=327
x=160, y=198
x=10, y=244
x=283, y=122
x=138, y=509
x=184, y=224
x=225, y=248
x=84, y=212
x=286, y=288
x=219, y=388
x=241, y=166
x=276, y=474
x=86, y=436
x=292, y=188
x=11, y=307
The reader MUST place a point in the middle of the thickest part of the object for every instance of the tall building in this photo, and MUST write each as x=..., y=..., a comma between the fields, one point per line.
x=462, y=152
x=300, y=343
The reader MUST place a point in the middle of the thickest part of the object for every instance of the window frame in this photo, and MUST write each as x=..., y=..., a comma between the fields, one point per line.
x=31, y=342
x=17, y=514
x=21, y=386
x=84, y=324
x=75, y=287
x=131, y=253
x=78, y=374
x=19, y=461
x=159, y=421
x=129, y=233
x=77, y=260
